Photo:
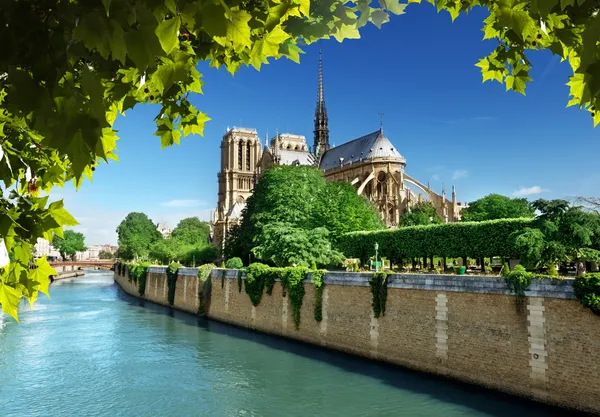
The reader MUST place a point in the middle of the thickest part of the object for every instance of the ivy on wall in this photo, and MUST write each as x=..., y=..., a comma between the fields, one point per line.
x=256, y=276
x=292, y=283
x=204, y=289
x=138, y=274
x=172, y=271
x=587, y=291
x=318, y=280
x=378, y=284
x=517, y=281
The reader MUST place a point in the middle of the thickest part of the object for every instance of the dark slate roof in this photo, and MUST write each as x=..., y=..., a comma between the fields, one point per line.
x=373, y=145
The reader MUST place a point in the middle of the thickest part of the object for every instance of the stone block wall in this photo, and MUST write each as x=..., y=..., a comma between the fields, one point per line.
x=467, y=328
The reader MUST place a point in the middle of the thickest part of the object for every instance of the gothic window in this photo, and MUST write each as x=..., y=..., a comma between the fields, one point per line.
x=240, y=155
x=248, y=156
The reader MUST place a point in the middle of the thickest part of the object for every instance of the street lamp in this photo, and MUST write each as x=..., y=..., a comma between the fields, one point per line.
x=376, y=264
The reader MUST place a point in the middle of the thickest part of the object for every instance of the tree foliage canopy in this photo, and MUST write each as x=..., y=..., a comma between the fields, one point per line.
x=496, y=206
x=298, y=198
x=68, y=245
x=192, y=231
x=560, y=233
x=188, y=243
x=136, y=234
x=420, y=214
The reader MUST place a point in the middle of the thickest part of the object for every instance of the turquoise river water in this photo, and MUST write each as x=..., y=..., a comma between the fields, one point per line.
x=95, y=351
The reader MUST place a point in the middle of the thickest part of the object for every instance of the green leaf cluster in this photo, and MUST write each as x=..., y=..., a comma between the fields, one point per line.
x=172, y=271
x=256, y=275
x=136, y=234
x=234, y=263
x=138, y=274
x=292, y=283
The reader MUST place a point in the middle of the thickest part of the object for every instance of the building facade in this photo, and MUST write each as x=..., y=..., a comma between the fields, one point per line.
x=371, y=163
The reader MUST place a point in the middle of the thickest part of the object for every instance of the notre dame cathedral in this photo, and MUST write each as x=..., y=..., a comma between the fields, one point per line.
x=371, y=163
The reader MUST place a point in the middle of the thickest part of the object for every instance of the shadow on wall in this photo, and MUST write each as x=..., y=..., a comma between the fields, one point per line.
x=490, y=402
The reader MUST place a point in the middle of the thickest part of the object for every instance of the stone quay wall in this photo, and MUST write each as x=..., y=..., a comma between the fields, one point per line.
x=461, y=327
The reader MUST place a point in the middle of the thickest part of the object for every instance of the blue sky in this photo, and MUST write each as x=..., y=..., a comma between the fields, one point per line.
x=419, y=69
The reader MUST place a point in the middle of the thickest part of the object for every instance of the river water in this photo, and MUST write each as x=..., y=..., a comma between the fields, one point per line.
x=95, y=351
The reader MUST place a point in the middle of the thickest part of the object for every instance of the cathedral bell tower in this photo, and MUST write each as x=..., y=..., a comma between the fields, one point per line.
x=321, y=142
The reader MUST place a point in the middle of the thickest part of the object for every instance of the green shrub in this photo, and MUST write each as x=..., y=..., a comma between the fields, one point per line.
x=450, y=240
x=234, y=263
x=204, y=289
x=172, y=271
x=551, y=270
x=587, y=291
x=138, y=273
x=505, y=269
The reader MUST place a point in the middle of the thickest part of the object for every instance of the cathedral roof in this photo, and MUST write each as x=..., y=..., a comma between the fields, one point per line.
x=373, y=145
x=289, y=157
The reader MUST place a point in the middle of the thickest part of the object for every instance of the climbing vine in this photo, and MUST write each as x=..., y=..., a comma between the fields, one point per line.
x=204, y=289
x=137, y=273
x=272, y=274
x=172, y=271
x=379, y=291
x=587, y=291
x=518, y=280
x=318, y=281
x=291, y=282
x=256, y=277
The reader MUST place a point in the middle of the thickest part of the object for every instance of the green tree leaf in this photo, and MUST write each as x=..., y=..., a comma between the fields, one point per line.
x=167, y=33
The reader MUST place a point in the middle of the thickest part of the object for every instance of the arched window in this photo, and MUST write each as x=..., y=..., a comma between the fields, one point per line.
x=240, y=155
x=248, y=156
x=297, y=148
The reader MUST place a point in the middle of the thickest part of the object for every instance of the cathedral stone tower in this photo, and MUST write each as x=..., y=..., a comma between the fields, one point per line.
x=240, y=153
x=321, y=142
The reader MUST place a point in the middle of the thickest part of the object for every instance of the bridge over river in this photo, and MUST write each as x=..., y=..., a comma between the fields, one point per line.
x=65, y=266
x=95, y=351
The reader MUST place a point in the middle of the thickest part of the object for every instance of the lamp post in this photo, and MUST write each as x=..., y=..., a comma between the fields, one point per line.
x=376, y=264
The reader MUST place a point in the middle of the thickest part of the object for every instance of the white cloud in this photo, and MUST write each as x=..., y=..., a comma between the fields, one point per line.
x=525, y=191
x=183, y=203
x=459, y=173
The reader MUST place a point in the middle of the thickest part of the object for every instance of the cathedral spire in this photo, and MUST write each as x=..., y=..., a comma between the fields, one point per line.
x=321, y=139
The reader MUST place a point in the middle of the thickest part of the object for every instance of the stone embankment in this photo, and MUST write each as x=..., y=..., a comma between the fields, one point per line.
x=466, y=328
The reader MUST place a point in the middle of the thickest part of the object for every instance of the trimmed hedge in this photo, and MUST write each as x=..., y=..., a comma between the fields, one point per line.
x=450, y=240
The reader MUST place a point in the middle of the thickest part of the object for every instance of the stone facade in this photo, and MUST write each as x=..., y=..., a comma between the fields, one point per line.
x=467, y=328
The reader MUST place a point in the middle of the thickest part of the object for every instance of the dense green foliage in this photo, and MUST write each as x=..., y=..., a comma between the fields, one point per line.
x=378, y=284
x=496, y=206
x=172, y=271
x=283, y=244
x=291, y=282
x=560, y=233
x=318, y=279
x=420, y=214
x=293, y=199
x=204, y=289
x=104, y=254
x=136, y=234
x=451, y=240
x=188, y=244
x=587, y=291
x=68, y=245
x=234, y=263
